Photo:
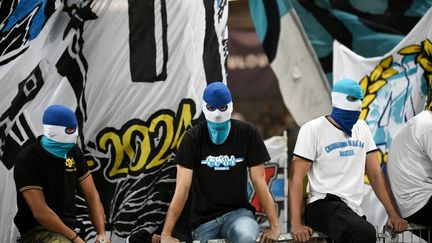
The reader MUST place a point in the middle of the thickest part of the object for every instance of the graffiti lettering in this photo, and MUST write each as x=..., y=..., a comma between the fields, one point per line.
x=148, y=43
x=140, y=146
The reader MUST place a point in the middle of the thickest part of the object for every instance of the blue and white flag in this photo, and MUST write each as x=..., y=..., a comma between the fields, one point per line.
x=303, y=85
x=369, y=28
x=396, y=86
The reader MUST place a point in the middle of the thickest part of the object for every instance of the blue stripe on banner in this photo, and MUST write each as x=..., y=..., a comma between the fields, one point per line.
x=271, y=36
x=408, y=72
x=284, y=6
x=259, y=18
x=23, y=9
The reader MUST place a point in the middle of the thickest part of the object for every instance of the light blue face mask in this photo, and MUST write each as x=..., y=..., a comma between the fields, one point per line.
x=55, y=148
x=218, y=131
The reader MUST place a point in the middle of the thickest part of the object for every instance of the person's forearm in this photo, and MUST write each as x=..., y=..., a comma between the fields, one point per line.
x=268, y=204
x=382, y=191
x=97, y=213
x=174, y=211
x=295, y=198
x=50, y=221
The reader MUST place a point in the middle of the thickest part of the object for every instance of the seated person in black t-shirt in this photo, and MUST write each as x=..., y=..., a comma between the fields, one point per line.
x=214, y=158
x=47, y=173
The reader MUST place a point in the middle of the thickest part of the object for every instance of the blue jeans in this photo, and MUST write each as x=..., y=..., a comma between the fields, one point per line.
x=237, y=226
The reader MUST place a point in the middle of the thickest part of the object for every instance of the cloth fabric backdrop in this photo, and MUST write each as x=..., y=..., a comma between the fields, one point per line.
x=133, y=71
x=302, y=83
x=370, y=28
x=397, y=86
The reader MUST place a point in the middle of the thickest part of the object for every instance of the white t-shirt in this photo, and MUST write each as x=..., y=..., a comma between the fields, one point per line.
x=410, y=164
x=338, y=160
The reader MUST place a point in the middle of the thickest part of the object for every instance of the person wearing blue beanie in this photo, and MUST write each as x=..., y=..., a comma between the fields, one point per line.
x=335, y=152
x=213, y=161
x=47, y=174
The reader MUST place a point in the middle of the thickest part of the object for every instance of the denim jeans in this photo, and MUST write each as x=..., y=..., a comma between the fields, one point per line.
x=236, y=226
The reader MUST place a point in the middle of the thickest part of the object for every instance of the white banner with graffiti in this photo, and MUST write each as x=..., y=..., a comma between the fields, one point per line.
x=132, y=70
x=397, y=86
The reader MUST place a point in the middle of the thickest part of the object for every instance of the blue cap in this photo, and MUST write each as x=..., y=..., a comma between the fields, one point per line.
x=348, y=87
x=217, y=94
x=59, y=115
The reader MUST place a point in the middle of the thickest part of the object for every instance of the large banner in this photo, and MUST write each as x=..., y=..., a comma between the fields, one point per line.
x=397, y=86
x=304, y=87
x=133, y=71
x=369, y=28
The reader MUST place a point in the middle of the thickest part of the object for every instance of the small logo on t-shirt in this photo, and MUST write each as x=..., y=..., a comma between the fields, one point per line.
x=70, y=164
x=221, y=162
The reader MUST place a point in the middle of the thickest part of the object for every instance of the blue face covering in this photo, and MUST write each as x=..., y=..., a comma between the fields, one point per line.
x=347, y=98
x=345, y=119
x=218, y=131
x=55, y=148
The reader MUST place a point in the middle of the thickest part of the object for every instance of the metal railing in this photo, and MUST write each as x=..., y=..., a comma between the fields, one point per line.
x=284, y=237
x=414, y=233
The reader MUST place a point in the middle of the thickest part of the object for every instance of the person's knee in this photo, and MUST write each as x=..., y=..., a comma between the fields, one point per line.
x=246, y=238
x=364, y=233
x=243, y=236
x=369, y=231
x=244, y=231
x=48, y=237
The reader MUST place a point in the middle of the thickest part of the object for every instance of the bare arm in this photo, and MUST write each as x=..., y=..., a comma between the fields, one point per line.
x=382, y=191
x=94, y=205
x=45, y=215
x=299, y=169
x=257, y=175
x=183, y=183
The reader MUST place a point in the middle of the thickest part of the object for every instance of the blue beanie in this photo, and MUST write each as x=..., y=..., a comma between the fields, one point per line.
x=348, y=87
x=59, y=115
x=217, y=94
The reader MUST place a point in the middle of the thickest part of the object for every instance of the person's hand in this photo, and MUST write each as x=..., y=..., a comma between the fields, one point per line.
x=270, y=235
x=397, y=224
x=168, y=239
x=301, y=233
x=156, y=238
x=102, y=238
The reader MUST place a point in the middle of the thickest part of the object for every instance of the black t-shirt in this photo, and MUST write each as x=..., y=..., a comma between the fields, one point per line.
x=219, y=183
x=36, y=168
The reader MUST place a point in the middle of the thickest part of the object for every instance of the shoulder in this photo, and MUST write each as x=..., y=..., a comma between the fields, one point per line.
x=421, y=124
x=197, y=128
x=29, y=159
x=315, y=123
x=362, y=124
x=196, y=132
x=243, y=127
x=29, y=151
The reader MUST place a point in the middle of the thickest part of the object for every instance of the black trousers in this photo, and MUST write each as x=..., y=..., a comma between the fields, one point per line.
x=423, y=217
x=334, y=218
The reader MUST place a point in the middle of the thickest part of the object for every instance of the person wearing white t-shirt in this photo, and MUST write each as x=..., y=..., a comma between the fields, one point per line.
x=334, y=152
x=409, y=169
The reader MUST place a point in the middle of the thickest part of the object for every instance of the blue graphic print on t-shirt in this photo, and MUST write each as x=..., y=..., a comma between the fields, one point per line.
x=221, y=162
x=345, y=144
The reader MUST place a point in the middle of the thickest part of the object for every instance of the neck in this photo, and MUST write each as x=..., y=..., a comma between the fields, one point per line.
x=333, y=121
